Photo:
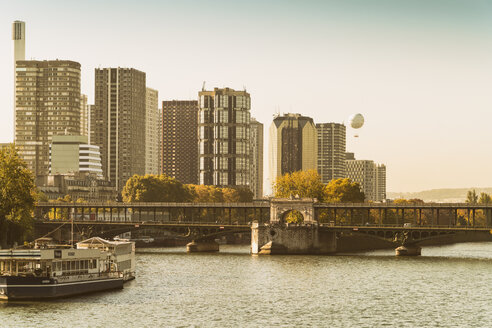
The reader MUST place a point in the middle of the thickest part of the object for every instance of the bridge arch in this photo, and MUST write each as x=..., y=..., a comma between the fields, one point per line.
x=281, y=208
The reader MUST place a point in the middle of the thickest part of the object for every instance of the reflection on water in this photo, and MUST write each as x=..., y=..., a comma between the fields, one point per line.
x=448, y=286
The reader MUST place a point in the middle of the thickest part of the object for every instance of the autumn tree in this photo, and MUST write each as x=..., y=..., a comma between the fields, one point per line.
x=18, y=195
x=300, y=184
x=343, y=191
x=155, y=188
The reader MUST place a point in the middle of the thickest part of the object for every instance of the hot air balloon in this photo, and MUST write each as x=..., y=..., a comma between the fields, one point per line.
x=356, y=122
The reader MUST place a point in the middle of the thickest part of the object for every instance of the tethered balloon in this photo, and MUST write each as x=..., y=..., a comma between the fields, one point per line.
x=356, y=121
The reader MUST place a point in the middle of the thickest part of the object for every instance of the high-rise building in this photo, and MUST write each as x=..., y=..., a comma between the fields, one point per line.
x=223, y=135
x=293, y=145
x=180, y=140
x=47, y=104
x=256, y=147
x=370, y=176
x=152, y=132
x=118, y=122
x=380, y=179
x=90, y=109
x=331, y=151
x=84, y=116
x=19, y=38
x=73, y=154
x=160, y=140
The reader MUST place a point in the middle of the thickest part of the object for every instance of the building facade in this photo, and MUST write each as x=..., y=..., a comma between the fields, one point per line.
x=152, y=132
x=19, y=38
x=256, y=158
x=331, y=151
x=79, y=185
x=380, y=179
x=47, y=104
x=179, y=150
x=370, y=176
x=117, y=122
x=223, y=136
x=293, y=145
x=84, y=116
x=72, y=154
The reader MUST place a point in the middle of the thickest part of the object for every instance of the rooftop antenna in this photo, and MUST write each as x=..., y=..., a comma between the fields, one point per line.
x=244, y=87
x=203, y=86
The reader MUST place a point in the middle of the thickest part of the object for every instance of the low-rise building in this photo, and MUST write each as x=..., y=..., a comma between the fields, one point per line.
x=79, y=186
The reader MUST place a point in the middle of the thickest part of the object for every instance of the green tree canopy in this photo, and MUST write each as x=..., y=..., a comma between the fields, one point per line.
x=484, y=198
x=472, y=197
x=18, y=195
x=299, y=184
x=155, y=188
x=343, y=191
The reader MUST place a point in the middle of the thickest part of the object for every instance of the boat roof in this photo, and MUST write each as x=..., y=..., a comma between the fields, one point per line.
x=101, y=241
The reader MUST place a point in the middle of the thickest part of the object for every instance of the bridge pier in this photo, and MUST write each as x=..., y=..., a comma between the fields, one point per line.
x=276, y=239
x=201, y=246
x=409, y=250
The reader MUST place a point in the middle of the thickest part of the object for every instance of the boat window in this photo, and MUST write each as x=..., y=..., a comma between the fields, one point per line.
x=64, y=265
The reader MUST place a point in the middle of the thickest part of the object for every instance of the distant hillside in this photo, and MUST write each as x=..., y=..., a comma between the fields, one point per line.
x=439, y=195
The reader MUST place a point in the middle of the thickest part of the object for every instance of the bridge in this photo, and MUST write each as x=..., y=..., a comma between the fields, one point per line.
x=405, y=224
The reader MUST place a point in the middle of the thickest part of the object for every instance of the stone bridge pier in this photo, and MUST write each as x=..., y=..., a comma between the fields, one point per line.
x=280, y=237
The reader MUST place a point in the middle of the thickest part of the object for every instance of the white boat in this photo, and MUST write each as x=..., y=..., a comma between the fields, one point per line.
x=47, y=271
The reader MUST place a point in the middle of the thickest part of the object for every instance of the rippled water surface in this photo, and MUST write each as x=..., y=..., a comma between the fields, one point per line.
x=449, y=286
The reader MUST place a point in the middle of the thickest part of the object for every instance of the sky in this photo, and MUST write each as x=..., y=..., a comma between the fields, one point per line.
x=419, y=71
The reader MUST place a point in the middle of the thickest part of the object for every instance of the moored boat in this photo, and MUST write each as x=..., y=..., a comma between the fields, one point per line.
x=47, y=272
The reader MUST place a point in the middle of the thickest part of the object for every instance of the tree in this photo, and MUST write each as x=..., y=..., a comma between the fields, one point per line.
x=299, y=184
x=484, y=198
x=18, y=195
x=471, y=197
x=155, y=188
x=343, y=191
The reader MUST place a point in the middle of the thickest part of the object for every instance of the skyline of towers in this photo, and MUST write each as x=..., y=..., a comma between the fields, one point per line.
x=225, y=149
x=180, y=140
x=47, y=104
x=293, y=145
x=118, y=122
x=223, y=136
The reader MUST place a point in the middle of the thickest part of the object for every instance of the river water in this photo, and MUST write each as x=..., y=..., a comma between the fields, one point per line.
x=448, y=286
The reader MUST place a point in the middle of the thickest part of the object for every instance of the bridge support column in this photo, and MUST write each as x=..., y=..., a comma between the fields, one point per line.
x=409, y=250
x=202, y=246
x=273, y=239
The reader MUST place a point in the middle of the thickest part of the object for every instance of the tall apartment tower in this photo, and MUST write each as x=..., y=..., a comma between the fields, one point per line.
x=180, y=140
x=118, y=122
x=19, y=38
x=380, y=180
x=331, y=151
x=160, y=140
x=223, y=135
x=293, y=145
x=152, y=132
x=84, y=116
x=370, y=176
x=256, y=147
x=47, y=104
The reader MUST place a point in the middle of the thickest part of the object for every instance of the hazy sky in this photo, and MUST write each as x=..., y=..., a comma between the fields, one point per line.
x=420, y=71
